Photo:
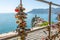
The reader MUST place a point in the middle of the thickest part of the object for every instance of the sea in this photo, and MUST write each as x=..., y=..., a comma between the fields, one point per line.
x=8, y=21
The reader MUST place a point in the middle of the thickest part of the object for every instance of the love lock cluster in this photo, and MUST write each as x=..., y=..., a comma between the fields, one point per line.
x=21, y=16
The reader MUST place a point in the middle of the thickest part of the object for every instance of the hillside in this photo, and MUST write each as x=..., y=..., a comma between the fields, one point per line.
x=35, y=11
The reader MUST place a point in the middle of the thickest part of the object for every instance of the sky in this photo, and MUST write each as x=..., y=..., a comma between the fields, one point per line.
x=8, y=6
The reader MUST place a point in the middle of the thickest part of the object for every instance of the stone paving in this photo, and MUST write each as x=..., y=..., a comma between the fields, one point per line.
x=36, y=35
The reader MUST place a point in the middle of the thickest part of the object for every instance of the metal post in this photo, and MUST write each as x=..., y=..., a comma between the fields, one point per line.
x=20, y=3
x=49, y=20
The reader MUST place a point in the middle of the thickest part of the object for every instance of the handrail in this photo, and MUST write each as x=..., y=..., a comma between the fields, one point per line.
x=18, y=35
x=49, y=18
x=27, y=33
x=48, y=2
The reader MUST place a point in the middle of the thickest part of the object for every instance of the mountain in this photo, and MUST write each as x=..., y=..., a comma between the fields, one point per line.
x=35, y=11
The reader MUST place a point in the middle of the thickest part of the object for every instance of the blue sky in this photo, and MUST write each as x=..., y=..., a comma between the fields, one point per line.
x=7, y=6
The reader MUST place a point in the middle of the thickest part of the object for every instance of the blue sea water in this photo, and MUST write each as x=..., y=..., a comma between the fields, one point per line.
x=8, y=21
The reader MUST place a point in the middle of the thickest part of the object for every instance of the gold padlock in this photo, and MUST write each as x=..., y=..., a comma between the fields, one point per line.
x=18, y=21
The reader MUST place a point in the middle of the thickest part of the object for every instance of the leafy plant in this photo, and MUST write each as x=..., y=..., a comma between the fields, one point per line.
x=45, y=23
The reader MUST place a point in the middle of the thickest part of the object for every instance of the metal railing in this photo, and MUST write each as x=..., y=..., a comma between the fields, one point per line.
x=32, y=35
x=49, y=18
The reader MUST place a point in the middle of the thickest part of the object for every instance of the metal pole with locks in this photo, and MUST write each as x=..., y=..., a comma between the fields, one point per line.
x=21, y=22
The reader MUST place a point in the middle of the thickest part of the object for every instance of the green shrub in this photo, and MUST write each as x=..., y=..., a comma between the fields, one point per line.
x=45, y=23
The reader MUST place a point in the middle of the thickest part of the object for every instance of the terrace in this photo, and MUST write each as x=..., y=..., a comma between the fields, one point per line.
x=38, y=33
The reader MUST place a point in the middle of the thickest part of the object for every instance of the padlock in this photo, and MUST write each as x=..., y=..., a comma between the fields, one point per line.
x=17, y=10
x=16, y=16
x=18, y=21
x=23, y=9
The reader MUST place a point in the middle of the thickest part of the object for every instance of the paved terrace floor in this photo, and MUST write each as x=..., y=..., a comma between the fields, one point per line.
x=37, y=33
